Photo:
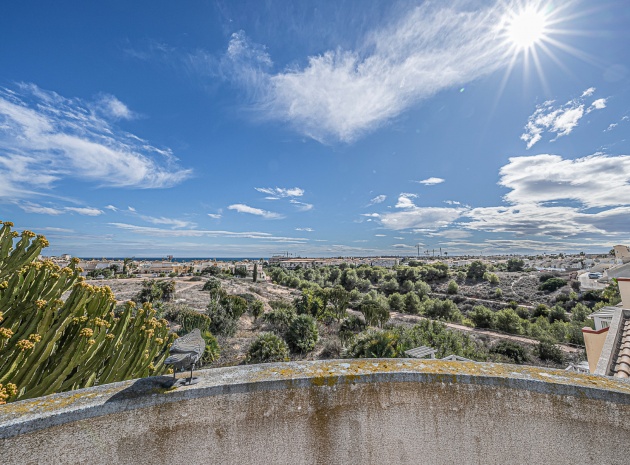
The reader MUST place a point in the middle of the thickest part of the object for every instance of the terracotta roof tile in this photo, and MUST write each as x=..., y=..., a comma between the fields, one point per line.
x=622, y=365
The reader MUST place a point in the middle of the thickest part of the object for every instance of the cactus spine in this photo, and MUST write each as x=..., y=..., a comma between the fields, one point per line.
x=50, y=345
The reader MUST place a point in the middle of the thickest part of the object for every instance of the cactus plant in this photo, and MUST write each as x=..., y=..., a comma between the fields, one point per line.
x=51, y=345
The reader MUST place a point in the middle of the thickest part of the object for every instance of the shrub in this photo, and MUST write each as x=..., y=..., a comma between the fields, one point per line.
x=452, y=287
x=332, y=349
x=491, y=278
x=280, y=318
x=225, y=314
x=302, y=334
x=212, y=351
x=267, y=347
x=552, y=284
x=257, y=308
x=375, y=344
x=211, y=284
x=548, y=351
x=153, y=291
x=188, y=319
x=515, y=352
x=498, y=293
x=350, y=326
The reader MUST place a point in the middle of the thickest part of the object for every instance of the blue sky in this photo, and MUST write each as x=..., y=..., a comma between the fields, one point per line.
x=234, y=128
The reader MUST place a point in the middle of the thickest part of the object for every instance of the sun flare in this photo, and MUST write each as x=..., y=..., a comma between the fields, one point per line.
x=526, y=28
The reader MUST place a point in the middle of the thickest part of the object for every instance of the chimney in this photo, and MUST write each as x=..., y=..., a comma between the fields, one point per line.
x=624, y=290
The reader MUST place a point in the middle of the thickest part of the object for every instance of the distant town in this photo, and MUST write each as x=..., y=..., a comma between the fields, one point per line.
x=595, y=269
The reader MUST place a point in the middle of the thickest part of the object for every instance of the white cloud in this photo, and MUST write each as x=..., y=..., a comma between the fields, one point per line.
x=431, y=181
x=599, y=104
x=241, y=208
x=39, y=209
x=42, y=210
x=594, y=181
x=305, y=229
x=421, y=217
x=168, y=221
x=151, y=231
x=371, y=215
x=301, y=206
x=404, y=201
x=111, y=207
x=342, y=94
x=280, y=192
x=215, y=216
x=131, y=209
x=554, y=197
x=380, y=235
x=45, y=138
x=113, y=108
x=560, y=120
x=413, y=216
x=611, y=126
x=87, y=211
x=377, y=199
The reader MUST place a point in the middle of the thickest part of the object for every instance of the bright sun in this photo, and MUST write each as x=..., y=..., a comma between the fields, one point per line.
x=526, y=28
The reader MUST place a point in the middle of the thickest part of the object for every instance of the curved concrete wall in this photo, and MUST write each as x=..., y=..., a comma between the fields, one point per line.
x=357, y=411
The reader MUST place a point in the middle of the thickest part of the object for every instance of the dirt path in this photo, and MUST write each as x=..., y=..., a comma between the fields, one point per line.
x=481, y=300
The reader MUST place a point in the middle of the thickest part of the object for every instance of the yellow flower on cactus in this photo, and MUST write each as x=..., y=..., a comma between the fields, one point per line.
x=41, y=303
x=86, y=332
x=35, y=337
x=91, y=341
x=5, y=333
x=24, y=344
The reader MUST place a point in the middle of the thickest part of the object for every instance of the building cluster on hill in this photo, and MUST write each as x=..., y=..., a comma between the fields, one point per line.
x=153, y=268
x=293, y=263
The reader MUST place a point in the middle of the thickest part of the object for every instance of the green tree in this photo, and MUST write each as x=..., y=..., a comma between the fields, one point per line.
x=412, y=303
x=482, y=316
x=339, y=298
x=476, y=270
x=507, y=320
x=515, y=264
x=396, y=303
x=374, y=313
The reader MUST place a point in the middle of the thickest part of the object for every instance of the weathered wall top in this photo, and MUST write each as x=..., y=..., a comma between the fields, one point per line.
x=30, y=415
x=402, y=411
